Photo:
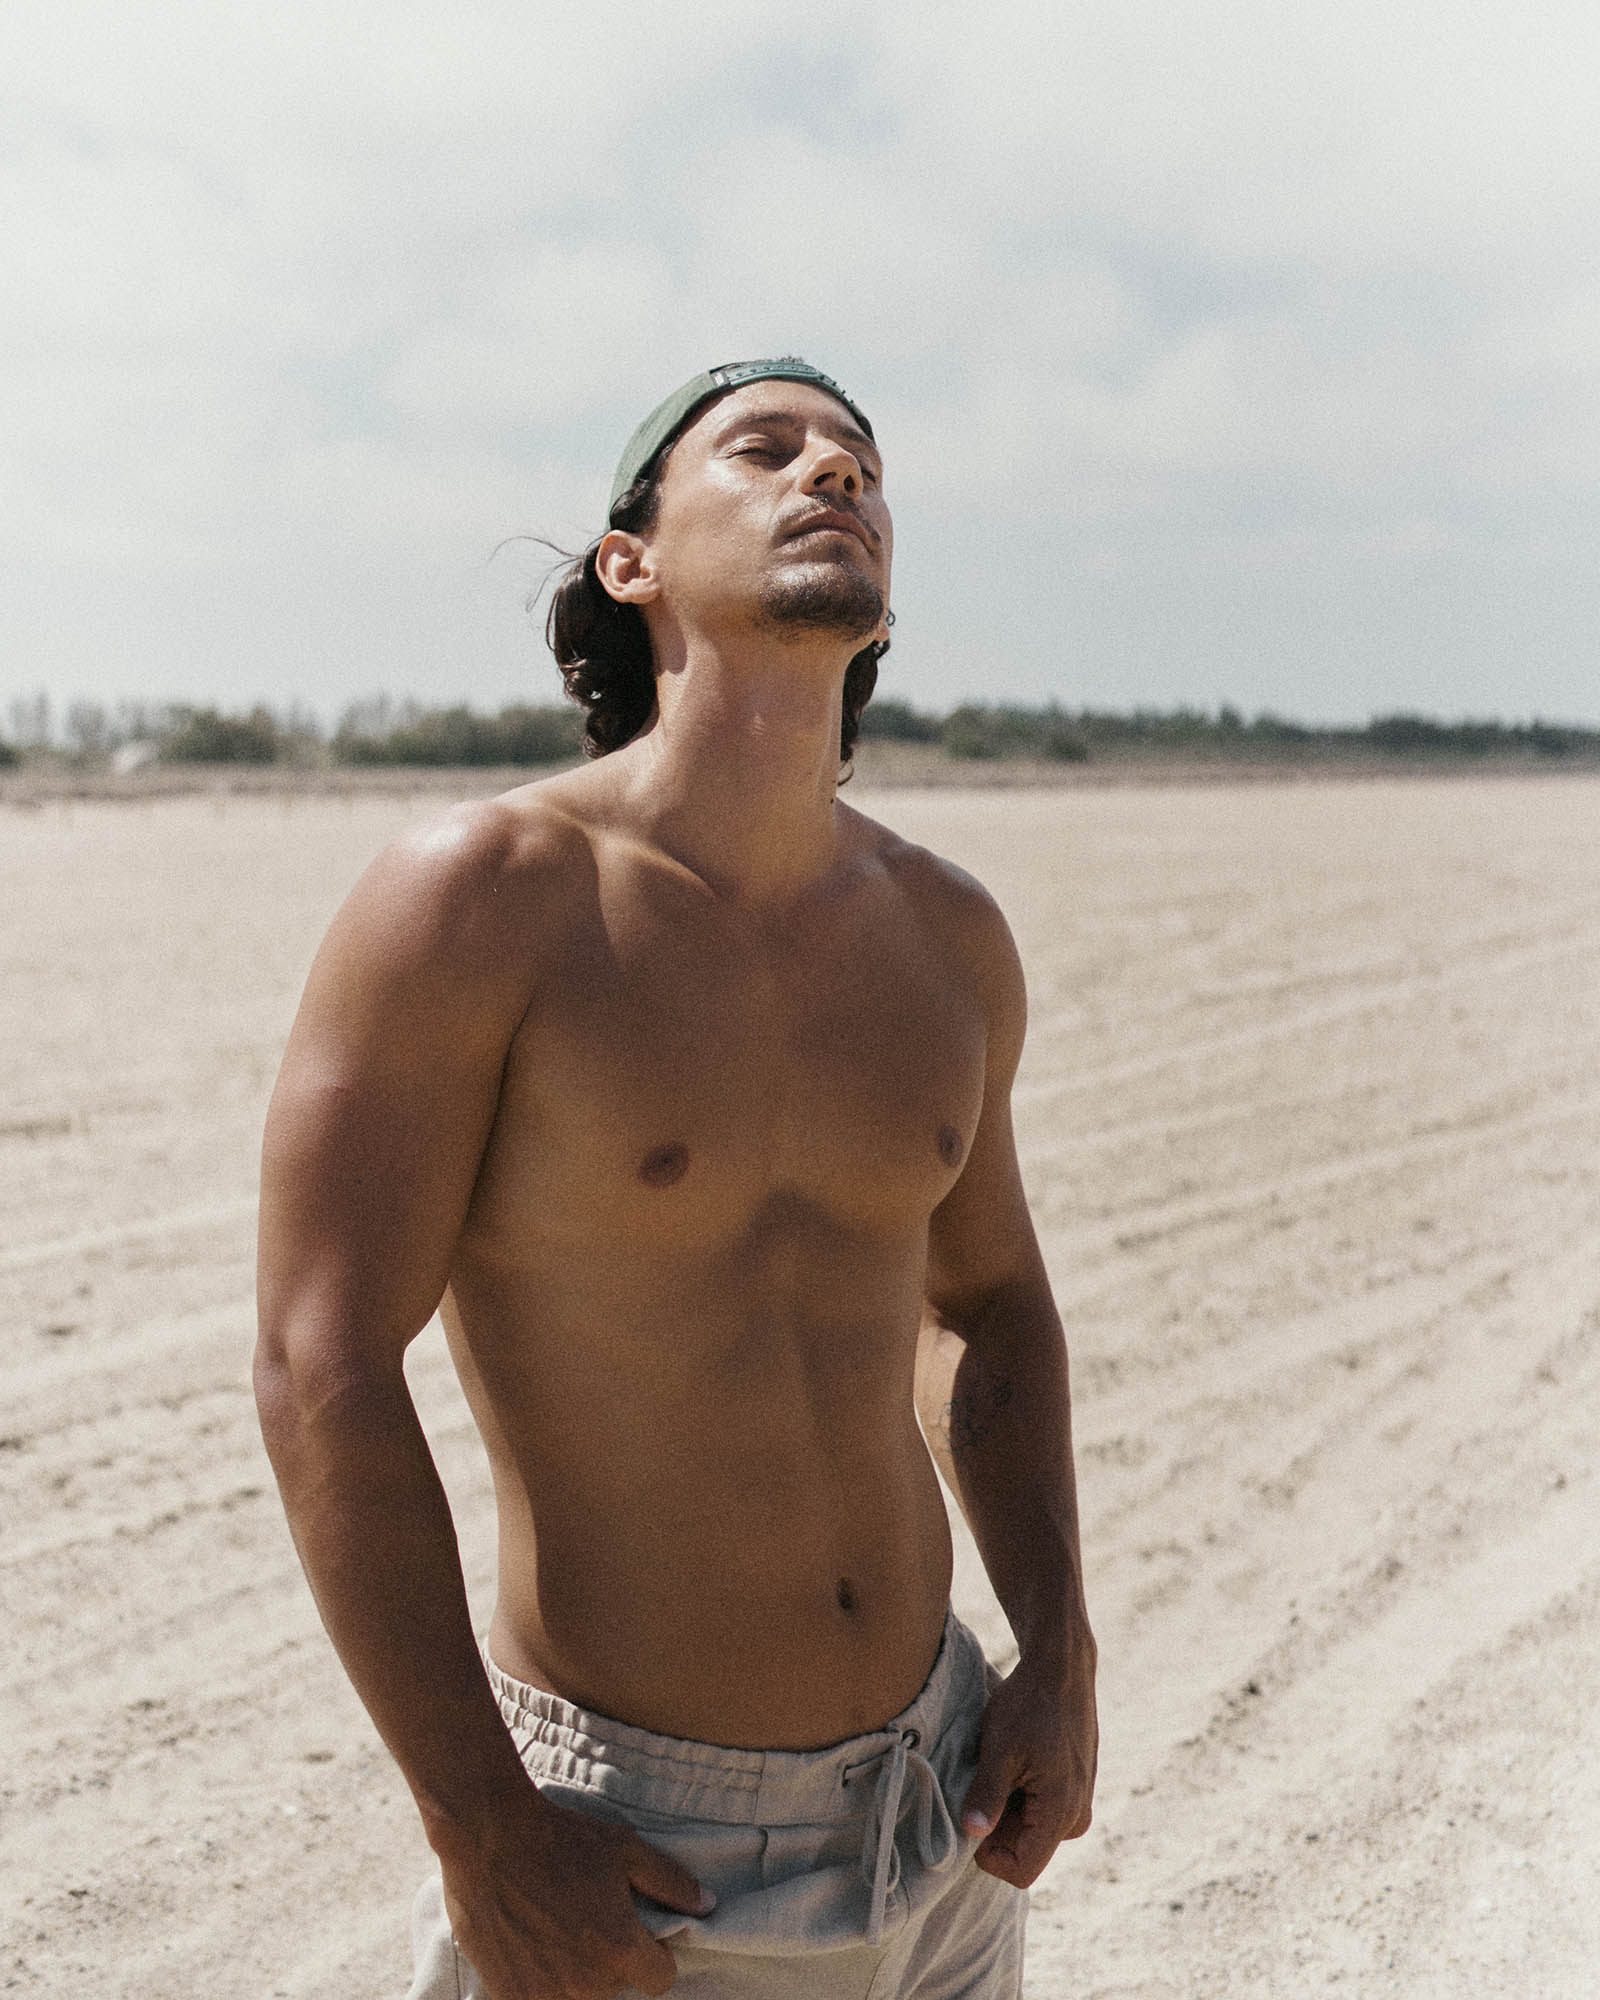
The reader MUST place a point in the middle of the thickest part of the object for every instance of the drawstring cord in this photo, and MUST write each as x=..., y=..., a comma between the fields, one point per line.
x=937, y=1841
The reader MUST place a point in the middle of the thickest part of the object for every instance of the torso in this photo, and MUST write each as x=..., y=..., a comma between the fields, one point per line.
x=686, y=1301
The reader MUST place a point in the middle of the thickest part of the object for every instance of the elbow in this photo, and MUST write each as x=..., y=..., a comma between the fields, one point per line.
x=318, y=1378
x=272, y=1379
x=300, y=1374
x=285, y=1398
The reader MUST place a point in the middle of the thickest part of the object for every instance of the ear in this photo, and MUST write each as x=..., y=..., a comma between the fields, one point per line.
x=626, y=568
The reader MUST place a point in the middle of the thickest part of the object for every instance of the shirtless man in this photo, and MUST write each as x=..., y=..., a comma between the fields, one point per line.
x=682, y=1090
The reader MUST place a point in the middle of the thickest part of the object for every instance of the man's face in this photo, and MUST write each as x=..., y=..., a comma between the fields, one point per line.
x=772, y=508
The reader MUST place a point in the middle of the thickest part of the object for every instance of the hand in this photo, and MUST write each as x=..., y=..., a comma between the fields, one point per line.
x=543, y=1908
x=1035, y=1776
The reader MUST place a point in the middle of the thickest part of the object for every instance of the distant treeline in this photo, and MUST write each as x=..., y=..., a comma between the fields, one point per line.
x=381, y=731
x=377, y=733
x=1002, y=730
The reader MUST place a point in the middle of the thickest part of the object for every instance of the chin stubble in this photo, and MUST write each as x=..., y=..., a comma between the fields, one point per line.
x=822, y=597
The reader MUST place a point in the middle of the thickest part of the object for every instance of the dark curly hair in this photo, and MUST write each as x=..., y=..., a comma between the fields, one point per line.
x=603, y=648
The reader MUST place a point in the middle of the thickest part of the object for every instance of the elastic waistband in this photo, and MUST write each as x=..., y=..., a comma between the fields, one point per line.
x=707, y=1781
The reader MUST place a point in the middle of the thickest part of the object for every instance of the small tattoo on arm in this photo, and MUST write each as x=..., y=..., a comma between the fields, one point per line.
x=969, y=1417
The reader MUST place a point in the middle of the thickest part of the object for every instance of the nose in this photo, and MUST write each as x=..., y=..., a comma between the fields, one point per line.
x=833, y=467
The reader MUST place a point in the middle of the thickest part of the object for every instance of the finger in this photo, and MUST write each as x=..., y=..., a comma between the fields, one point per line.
x=1025, y=1849
x=997, y=1853
x=1076, y=1797
x=989, y=1793
x=651, y=1968
x=1001, y=1863
x=666, y=1881
x=1079, y=1817
x=1031, y=1829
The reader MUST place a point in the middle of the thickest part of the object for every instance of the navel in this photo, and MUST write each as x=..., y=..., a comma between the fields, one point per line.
x=845, y=1594
x=951, y=1147
x=663, y=1165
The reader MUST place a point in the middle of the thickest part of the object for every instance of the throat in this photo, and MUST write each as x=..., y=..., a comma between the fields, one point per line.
x=742, y=782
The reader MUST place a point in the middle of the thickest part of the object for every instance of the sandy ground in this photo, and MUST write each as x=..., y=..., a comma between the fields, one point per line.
x=1309, y=1120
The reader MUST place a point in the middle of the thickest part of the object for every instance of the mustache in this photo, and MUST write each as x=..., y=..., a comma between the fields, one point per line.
x=824, y=512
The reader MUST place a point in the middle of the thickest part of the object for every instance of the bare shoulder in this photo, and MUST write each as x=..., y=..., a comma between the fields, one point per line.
x=428, y=969
x=960, y=914
x=484, y=878
x=392, y=1075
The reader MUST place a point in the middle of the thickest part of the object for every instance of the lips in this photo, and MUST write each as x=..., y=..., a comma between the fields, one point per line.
x=833, y=521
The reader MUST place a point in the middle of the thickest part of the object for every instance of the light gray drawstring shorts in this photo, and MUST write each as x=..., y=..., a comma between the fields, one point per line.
x=840, y=1874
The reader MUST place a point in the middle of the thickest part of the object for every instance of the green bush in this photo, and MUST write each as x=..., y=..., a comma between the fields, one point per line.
x=1414, y=734
x=1270, y=728
x=976, y=732
x=441, y=737
x=203, y=736
x=891, y=721
x=546, y=735
x=1406, y=735
x=1058, y=739
x=972, y=733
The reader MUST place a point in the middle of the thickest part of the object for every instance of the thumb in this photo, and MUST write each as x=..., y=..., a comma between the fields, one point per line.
x=989, y=1793
x=664, y=1881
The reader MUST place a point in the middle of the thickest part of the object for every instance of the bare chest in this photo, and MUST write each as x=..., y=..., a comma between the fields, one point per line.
x=685, y=1076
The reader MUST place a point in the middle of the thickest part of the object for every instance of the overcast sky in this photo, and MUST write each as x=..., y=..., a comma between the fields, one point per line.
x=1239, y=351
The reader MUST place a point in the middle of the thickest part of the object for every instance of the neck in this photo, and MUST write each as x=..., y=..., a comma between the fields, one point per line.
x=735, y=777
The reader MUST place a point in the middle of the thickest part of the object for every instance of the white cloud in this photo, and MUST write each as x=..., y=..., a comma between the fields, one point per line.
x=1364, y=133
x=1270, y=326
x=539, y=334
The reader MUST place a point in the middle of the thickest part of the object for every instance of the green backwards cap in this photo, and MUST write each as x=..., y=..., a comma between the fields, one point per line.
x=665, y=421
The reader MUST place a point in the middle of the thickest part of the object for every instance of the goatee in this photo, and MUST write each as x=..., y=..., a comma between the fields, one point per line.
x=822, y=597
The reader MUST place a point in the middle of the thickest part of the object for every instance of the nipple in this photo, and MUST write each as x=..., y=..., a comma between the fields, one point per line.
x=663, y=1165
x=951, y=1149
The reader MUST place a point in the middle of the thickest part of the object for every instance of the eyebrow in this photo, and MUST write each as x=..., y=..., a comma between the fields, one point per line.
x=844, y=429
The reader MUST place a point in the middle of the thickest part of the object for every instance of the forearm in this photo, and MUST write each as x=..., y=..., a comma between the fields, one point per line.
x=540, y=1897
x=373, y=1530
x=1005, y=1431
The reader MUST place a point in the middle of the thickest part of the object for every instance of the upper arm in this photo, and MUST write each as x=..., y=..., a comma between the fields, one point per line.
x=981, y=1242
x=387, y=1092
